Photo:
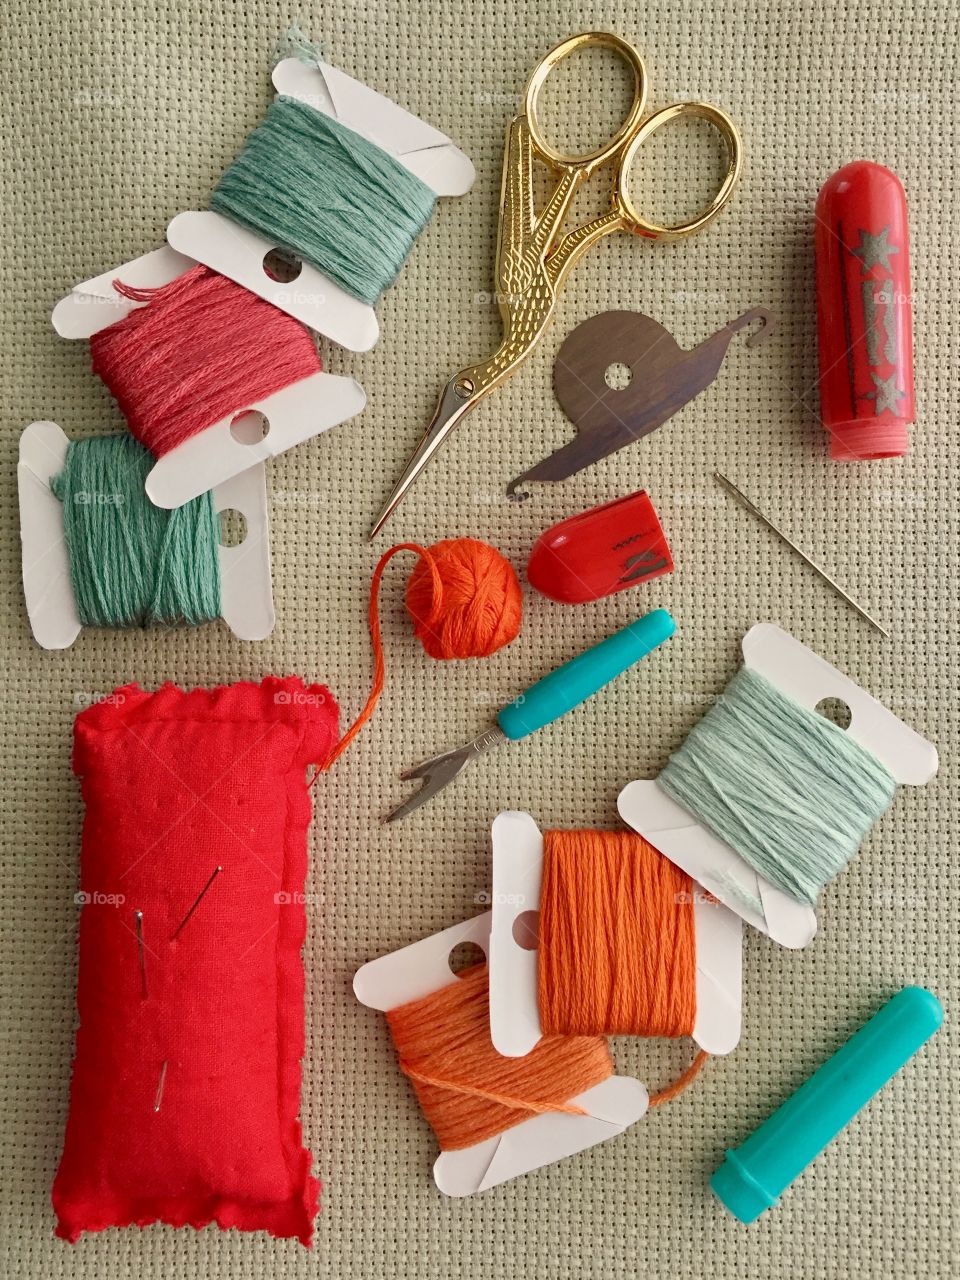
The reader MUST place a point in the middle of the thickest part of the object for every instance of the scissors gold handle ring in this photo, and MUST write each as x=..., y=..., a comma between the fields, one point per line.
x=586, y=39
x=632, y=218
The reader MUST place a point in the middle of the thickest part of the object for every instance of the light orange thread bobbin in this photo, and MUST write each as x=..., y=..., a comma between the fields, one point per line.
x=467, y=1091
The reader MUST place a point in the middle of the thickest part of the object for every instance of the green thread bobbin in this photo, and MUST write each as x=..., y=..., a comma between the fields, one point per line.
x=789, y=791
x=133, y=564
x=310, y=185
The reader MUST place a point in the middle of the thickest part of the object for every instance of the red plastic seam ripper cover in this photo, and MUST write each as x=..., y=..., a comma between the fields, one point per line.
x=864, y=318
x=600, y=551
x=175, y=785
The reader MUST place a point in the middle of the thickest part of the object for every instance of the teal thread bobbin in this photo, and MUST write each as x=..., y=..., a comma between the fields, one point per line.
x=132, y=563
x=310, y=185
x=789, y=791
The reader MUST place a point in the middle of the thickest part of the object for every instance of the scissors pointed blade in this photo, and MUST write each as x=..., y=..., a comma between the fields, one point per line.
x=457, y=398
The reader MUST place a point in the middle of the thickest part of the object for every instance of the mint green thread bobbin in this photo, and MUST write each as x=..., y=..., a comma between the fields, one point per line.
x=788, y=791
x=753, y=1176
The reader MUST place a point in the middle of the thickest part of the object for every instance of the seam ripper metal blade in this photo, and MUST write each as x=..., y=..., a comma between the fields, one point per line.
x=547, y=700
x=533, y=258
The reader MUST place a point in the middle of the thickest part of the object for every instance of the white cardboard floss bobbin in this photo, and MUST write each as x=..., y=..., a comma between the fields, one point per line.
x=294, y=414
x=94, y=304
x=611, y=1107
x=514, y=1012
x=807, y=678
x=313, y=298
x=246, y=595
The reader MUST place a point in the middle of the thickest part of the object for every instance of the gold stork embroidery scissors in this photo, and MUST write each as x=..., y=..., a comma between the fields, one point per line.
x=533, y=257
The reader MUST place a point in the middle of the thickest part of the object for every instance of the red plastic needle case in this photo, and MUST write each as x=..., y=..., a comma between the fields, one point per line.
x=864, y=316
x=600, y=551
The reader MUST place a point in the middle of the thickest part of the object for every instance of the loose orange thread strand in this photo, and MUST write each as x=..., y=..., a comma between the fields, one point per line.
x=674, y=1090
x=465, y=602
x=373, y=617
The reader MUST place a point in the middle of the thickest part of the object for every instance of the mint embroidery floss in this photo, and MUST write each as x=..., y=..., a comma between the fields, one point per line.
x=310, y=185
x=132, y=563
x=789, y=791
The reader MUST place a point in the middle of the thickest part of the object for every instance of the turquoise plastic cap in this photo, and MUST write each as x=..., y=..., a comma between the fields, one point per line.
x=752, y=1177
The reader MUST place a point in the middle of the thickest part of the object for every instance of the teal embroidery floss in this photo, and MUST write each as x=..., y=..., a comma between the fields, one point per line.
x=310, y=185
x=132, y=563
x=789, y=791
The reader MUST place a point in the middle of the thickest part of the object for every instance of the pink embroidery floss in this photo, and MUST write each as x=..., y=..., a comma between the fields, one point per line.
x=201, y=349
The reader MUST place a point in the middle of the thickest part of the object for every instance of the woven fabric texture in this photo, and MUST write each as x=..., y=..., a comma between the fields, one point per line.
x=118, y=116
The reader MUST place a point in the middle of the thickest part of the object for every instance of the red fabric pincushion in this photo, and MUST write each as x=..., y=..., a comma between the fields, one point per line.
x=175, y=785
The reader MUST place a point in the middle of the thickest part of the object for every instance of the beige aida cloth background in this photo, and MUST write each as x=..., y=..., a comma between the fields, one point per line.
x=118, y=116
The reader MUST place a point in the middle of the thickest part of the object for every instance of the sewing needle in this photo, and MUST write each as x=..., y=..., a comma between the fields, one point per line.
x=196, y=902
x=754, y=510
x=158, y=1097
x=138, y=920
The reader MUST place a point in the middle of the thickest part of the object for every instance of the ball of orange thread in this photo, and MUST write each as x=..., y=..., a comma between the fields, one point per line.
x=465, y=601
x=478, y=606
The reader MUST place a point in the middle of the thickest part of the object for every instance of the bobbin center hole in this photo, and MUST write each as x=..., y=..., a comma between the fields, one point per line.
x=465, y=955
x=618, y=376
x=836, y=711
x=249, y=427
x=526, y=930
x=233, y=527
x=281, y=265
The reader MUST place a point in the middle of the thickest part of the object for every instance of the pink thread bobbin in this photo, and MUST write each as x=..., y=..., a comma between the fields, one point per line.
x=201, y=349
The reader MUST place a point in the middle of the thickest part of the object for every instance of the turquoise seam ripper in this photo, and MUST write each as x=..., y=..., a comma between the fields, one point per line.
x=547, y=700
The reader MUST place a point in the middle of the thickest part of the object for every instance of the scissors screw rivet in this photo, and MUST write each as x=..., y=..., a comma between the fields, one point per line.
x=464, y=388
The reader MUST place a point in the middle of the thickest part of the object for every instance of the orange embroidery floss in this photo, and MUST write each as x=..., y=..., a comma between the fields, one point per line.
x=467, y=1091
x=616, y=956
x=617, y=944
x=465, y=601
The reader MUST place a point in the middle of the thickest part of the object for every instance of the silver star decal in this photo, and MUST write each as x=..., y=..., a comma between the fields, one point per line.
x=886, y=394
x=873, y=251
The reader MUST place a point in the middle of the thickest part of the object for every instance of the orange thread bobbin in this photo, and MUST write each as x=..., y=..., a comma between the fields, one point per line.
x=467, y=1091
x=617, y=947
x=617, y=956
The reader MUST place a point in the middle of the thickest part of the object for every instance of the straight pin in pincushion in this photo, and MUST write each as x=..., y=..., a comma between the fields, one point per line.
x=752, y=1177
